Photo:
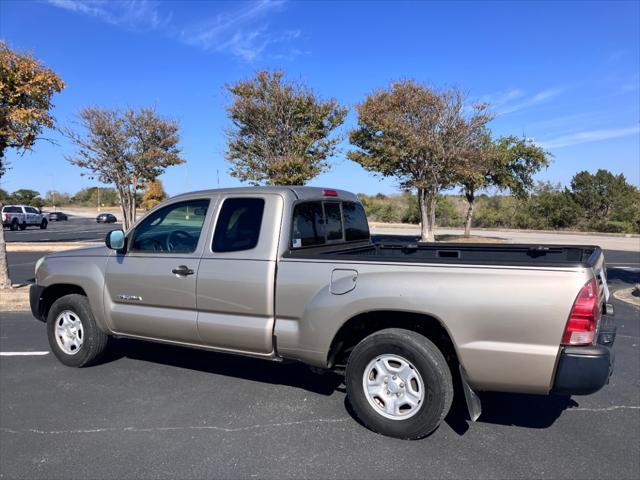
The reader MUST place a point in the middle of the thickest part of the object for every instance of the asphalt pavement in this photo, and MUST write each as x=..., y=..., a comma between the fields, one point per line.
x=75, y=229
x=156, y=411
x=153, y=411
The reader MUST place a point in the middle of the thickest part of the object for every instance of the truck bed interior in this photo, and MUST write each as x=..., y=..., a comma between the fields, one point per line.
x=456, y=253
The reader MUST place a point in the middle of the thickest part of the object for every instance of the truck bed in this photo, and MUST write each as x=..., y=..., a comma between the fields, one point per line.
x=457, y=253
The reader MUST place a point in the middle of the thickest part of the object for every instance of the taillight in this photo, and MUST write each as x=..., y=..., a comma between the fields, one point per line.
x=5, y=216
x=329, y=193
x=584, y=316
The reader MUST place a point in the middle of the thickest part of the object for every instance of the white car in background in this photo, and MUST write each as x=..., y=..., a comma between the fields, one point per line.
x=22, y=216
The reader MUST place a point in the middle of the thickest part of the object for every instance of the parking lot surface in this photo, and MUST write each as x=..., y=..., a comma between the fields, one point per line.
x=73, y=230
x=154, y=411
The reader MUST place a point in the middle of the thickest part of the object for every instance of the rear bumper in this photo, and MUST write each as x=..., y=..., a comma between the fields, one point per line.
x=585, y=370
x=35, y=301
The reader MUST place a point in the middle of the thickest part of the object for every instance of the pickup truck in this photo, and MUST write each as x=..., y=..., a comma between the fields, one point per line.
x=21, y=216
x=291, y=273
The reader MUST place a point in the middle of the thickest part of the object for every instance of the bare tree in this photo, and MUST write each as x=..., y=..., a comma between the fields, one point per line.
x=416, y=133
x=127, y=149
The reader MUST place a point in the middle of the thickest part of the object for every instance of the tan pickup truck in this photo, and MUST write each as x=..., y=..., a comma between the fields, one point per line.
x=291, y=273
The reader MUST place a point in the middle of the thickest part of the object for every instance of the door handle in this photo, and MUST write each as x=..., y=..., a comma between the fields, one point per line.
x=182, y=270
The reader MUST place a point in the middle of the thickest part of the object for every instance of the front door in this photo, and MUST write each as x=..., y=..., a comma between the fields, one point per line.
x=151, y=289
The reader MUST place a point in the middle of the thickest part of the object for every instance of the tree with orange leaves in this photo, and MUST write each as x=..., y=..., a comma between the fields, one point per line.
x=26, y=90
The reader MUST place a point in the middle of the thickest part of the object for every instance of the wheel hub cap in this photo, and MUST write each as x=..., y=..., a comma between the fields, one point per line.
x=393, y=387
x=69, y=332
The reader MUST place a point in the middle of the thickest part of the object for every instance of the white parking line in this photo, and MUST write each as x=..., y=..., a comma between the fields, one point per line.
x=22, y=264
x=21, y=354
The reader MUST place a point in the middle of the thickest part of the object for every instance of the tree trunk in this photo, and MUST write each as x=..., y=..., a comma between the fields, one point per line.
x=132, y=215
x=5, y=281
x=124, y=215
x=470, y=196
x=427, y=205
x=123, y=196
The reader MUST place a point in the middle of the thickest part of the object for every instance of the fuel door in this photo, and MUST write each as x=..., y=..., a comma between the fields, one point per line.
x=343, y=281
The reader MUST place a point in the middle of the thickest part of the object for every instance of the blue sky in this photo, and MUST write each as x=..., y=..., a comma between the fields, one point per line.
x=564, y=73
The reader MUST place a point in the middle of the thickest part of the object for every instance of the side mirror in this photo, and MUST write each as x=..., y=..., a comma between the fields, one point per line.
x=115, y=240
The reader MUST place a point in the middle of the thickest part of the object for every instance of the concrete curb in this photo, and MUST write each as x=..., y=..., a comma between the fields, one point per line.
x=46, y=246
x=626, y=295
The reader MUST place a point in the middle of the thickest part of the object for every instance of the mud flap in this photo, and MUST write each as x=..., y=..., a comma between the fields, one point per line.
x=473, y=401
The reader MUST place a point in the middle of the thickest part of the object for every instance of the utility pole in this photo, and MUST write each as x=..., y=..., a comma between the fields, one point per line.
x=98, y=187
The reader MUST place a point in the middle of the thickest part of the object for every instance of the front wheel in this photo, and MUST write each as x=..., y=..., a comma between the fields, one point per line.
x=74, y=337
x=43, y=224
x=399, y=384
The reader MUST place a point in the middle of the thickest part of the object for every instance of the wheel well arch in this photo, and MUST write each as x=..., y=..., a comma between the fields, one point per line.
x=362, y=325
x=54, y=292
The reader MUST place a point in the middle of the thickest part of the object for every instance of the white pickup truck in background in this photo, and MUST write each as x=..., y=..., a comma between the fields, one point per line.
x=22, y=216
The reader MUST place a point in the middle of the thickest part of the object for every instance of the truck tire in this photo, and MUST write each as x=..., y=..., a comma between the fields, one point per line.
x=23, y=226
x=399, y=384
x=43, y=224
x=74, y=337
x=14, y=225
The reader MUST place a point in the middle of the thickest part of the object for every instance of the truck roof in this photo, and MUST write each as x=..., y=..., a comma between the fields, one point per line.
x=301, y=192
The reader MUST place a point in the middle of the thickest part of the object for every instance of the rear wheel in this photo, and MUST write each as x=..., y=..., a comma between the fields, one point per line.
x=399, y=384
x=74, y=336
x=43, y=224
x=14, y=225
x=23, y=226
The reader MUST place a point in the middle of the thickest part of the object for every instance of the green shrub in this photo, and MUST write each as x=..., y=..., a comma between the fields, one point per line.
x=612, y=226
x=549, y=206
x=446, y=213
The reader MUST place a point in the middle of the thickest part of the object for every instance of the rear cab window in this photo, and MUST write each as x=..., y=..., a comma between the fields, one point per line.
x=316, y=223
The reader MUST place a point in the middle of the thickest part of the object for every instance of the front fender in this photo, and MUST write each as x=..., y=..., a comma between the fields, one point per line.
x=84, y=271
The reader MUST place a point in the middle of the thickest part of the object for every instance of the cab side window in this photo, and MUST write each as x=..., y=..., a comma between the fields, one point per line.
x=238, y=225
x=173, y=229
